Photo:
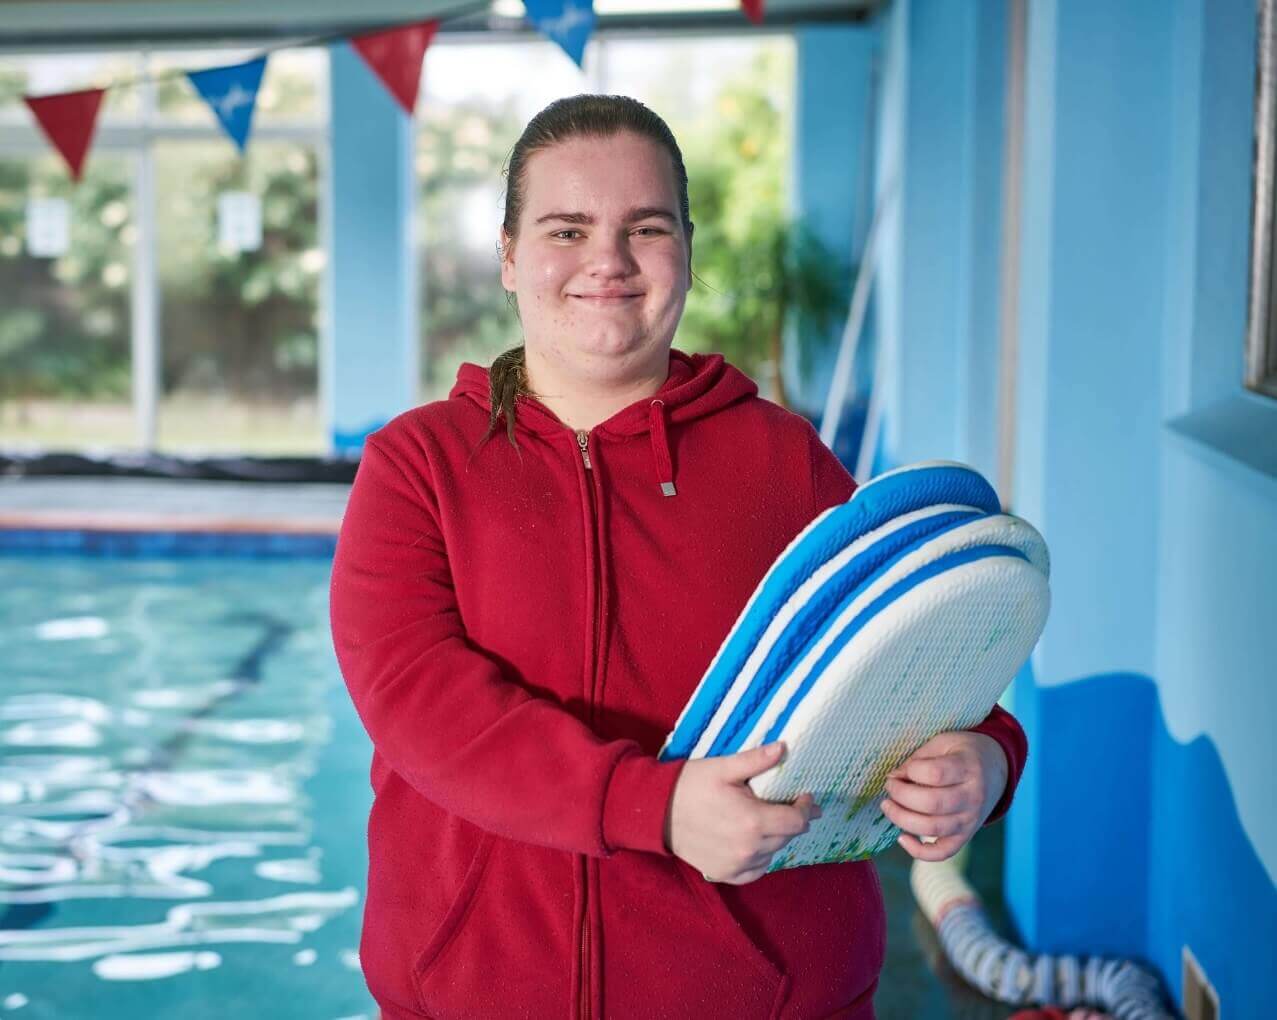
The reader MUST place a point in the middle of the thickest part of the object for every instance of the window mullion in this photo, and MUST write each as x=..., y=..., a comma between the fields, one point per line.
x=145, y=295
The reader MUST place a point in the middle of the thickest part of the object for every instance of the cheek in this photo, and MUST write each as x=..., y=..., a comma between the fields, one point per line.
x=671, y=270
x=552, y=272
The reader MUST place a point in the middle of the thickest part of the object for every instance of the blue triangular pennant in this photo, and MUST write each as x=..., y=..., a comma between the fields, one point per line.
x=568, y=22
x=232, y=93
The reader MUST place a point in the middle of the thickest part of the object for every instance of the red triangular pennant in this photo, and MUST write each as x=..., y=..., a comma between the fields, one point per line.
x=753, y=10
x=395, y=56
x=68, y=119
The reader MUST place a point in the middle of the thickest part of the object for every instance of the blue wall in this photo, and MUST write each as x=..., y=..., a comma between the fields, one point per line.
x=1217, y=580
x=1144, y=822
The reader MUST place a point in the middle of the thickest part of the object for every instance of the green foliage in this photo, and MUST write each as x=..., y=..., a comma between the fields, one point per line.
x=64, y=322
x=241, y=322
x=460, y=154
x=756, y=265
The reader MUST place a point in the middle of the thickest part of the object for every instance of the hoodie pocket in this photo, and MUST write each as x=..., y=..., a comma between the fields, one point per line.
x=455, y=916
x=672, y=947
x=721, y=917
x=502, y=949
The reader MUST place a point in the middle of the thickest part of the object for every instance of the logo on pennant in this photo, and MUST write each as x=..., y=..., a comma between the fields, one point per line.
x=568, y=22
x=68, y=120
x=753, y=10
x=395, y=56
x=232, y=93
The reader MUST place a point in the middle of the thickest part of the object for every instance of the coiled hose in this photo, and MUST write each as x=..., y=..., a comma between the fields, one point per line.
x=1007, y=973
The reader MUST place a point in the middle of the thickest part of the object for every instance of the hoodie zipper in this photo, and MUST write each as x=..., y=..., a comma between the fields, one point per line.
x=583, y=441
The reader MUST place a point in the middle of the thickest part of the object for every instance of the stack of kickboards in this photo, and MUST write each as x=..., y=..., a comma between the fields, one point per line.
x=902, y=613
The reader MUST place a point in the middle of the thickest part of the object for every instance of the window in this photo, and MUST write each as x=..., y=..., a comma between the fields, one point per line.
x=145, y=333
x=1261, y=331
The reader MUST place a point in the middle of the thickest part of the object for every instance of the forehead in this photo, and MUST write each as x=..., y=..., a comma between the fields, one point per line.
x=600, y=174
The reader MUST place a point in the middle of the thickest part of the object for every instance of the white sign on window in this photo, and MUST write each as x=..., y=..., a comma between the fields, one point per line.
x=239, y=221
x=48, y=227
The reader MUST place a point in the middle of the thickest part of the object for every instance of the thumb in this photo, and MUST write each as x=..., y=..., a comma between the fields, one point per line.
x=745, y=764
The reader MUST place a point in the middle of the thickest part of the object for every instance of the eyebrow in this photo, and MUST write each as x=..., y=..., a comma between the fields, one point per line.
x=642, y=212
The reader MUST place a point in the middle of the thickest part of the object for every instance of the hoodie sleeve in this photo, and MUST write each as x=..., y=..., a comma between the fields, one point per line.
x=833, y=484
x=441, y=713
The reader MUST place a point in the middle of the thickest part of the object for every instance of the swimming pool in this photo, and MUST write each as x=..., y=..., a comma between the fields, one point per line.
x=183, y=792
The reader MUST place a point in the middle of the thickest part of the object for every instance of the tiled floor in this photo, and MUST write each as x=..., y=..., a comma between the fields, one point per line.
x=917, y=983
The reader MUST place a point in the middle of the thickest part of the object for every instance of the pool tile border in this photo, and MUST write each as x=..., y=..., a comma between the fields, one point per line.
x=142, y=535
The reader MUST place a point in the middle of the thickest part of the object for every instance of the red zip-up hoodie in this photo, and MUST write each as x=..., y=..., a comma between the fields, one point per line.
x=519, y=630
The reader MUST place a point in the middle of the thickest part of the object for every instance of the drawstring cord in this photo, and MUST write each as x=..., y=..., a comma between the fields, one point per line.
x=660, y=446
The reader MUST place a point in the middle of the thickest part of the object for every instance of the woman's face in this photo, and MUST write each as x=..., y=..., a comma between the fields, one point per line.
x=600, y=273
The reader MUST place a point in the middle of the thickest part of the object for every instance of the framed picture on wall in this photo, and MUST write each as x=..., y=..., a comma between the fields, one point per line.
x=1261, y=325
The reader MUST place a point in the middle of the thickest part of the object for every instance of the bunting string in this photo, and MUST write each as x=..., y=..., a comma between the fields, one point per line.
x=395, y=55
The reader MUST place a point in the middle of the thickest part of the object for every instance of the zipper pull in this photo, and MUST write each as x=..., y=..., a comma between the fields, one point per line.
x=582, y=440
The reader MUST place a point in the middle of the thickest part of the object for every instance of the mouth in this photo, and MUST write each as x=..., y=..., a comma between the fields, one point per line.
x=606, y=299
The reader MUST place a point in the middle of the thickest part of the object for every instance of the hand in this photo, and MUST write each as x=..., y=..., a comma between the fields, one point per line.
x=946, y=788
x=718, y=825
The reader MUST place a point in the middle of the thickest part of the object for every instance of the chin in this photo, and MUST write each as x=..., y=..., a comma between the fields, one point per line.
x=616, y=346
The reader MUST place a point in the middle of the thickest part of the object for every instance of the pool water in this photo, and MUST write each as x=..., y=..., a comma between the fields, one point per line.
x=183, y=792
x=184, y=798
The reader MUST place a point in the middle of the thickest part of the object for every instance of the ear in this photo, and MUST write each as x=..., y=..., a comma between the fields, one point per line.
x=691, y=227
x=507, y=260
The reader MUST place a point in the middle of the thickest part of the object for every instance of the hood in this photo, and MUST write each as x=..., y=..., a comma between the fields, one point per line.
x=697, y=385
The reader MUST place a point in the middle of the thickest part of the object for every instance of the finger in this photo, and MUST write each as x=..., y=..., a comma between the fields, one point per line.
x=806, y=802
x=742, y=765
x=781, y=820
x=922, y=824
x=929, y=800
x=745, y=877
x=941, y=850
x=943, y=770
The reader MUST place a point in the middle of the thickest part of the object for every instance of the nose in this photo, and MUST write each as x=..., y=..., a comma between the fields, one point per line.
x=609, y=255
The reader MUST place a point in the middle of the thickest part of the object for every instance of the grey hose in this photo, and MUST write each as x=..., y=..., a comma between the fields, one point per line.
x=1007, y=973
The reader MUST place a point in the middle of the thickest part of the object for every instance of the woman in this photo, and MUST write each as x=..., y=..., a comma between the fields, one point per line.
x=520, y=619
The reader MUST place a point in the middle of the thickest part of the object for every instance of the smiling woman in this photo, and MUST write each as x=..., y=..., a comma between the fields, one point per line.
x=520, y=623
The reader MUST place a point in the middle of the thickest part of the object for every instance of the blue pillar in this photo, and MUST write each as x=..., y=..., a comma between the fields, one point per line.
x=372, y=357
x=832, y=127
x=1092, y=285
x=936, y=189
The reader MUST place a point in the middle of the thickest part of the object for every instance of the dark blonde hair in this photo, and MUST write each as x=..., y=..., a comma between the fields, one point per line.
x=586, y=115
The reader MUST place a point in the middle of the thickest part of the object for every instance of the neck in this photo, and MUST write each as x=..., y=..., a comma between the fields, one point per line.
x=582, y=395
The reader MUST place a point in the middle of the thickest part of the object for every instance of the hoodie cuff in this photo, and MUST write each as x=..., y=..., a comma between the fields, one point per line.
x=637, y=802
x=1003, y=727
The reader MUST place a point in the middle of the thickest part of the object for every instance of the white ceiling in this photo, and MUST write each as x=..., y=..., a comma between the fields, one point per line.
x=57, y=24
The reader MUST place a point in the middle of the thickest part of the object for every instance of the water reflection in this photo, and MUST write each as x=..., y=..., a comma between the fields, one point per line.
x=157, y=728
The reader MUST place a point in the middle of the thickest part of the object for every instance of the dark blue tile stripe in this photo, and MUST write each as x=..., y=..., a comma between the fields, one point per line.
x=251, y=545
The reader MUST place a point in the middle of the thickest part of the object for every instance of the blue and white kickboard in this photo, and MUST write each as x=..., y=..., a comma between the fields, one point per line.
x=900, y=614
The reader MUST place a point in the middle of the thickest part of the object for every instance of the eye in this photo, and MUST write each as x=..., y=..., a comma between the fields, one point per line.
x=655, y=230
x=568, y=231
